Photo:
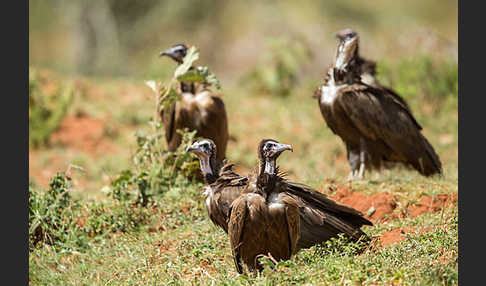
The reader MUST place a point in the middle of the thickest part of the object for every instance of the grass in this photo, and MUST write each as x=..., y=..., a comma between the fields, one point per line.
x=178, y=245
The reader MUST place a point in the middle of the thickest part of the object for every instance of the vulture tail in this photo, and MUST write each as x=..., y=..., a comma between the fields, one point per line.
x=428, y=163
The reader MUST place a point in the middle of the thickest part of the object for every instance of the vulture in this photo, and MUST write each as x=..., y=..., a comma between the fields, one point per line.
x=320, y=217
x=279, y=217
x=375, y=125
x=263, y=220
x=367, y=68
x=224, y=185
x=198, y=109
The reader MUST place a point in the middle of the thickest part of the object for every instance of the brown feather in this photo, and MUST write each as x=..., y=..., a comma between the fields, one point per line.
x=204, y=112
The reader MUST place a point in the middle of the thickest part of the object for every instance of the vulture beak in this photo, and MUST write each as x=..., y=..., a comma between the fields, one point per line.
x=176, y=53
x=282, y=147
x=345, y=33
x=346, y=52
x=169, y=52
x=194, y=148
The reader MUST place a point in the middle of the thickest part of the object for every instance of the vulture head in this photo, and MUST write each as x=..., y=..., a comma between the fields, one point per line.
x=206, y=151
x=345, y=69
x=268, y=152
x=346, y=34
x=346, y=52
x=177, y=52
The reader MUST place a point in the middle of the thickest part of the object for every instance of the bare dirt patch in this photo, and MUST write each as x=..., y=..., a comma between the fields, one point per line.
x=382, y=206
x=375, y=207
x=394, y=236
x=84, y=134
x=428, y=204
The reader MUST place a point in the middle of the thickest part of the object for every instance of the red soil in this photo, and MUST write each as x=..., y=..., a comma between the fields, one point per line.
x=394, y=236
x=383, y=203
x=428, y=204
x=84, y=134
x=377, y=207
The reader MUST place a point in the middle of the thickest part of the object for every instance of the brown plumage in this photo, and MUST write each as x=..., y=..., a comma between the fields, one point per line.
x=224, y=185
x=264, y=221
x=367, y=70
x=375, y=126
x=320, y=217
x=198, y=109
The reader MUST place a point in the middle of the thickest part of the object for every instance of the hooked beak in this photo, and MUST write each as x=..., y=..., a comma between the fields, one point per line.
x=172, y=53
x=192, y=148
x=345, y=33
x=282, y=147
x=346, y=52
x=168, y=52
x=195, y=148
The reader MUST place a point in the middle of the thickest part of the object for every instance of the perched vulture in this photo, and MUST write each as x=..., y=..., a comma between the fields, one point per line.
x=373, y=123
x=198, y=109
x=367, y=68
x=224, y=185
x=264, y=221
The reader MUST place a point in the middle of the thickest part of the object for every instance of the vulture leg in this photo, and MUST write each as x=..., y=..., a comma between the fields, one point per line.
x=362, y=158
x=354, y=161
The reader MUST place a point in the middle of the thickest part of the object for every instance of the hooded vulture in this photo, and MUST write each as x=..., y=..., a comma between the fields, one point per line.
x=224, y=185
x=367, y=68
x=375, y=126
x=321, y=218
x=264, y=221
x=198, y=109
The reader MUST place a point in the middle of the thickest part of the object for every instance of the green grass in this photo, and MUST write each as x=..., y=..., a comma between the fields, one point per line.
x=178, y=244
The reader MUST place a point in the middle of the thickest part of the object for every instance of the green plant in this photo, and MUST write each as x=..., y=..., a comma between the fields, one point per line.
x=52, y=215
x=156, y=169
x=46, y=110
x=278, y=70
x=56, y=219
x=421, y=78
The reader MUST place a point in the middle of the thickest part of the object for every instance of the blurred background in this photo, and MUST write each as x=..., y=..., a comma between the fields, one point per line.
x=123, y=37
x=107, y=206
x=88, y=61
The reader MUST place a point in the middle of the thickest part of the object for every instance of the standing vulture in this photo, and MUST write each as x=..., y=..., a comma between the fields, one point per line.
x=367, y=68
x=375, y=126
x=321, y=218
x=224, y=185
x=198, y=109
x=264, y=221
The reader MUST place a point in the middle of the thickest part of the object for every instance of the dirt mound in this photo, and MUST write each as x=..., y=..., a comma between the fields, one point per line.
x=428, y=204
x=84, y=134
x=375, y=207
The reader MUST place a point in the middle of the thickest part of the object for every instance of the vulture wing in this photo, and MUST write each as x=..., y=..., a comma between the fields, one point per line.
x=214, y=124
x=322, y=218
x=235, y=229
x=228, y=188
x=246, y=229
x=169, y=119
x=293, y=222
x=379, y=117
x=321, y=202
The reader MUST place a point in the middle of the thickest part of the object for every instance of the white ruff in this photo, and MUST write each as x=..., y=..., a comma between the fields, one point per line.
x=329, y=92
x=208, y=192
x=275, y=202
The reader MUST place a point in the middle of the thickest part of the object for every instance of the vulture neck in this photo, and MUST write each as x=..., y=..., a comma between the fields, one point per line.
x=268, y=175
x=209, y=168
x=188, y=86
